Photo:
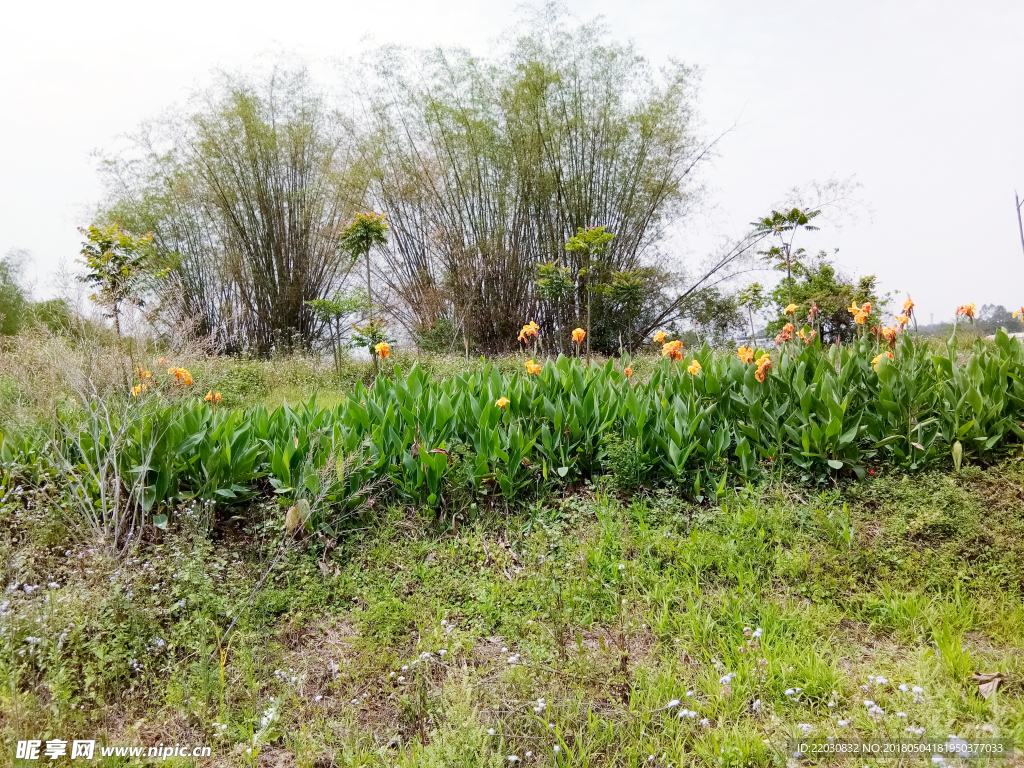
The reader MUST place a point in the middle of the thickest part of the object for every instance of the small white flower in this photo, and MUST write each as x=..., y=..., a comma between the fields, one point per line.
x=757, y=632
x=843, y=723
x=805, y=727
x=881, y=681
x=903, y=687
x=790, y=691
x=405, y=668
x=557, y=749
x=673, y=703
x=529, y=754
x=490, y=731
x=513, y=759
x=901, y=714
x=705, y=722
x=442, y=652
x=401, y=679
x=757, y=705
x=917, y=689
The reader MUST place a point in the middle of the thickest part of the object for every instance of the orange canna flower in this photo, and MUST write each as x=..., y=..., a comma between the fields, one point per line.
x=967, y=310
x=530, y=329
x=763, y=364
x=578, y=335
x=383, y=349
x=903, y=319
x=181, y=375
x=673, y=349
x=212, y=397
x=532, y=368
x=138, y=388
x=908, y=305
x=874, y=363
x=628, y=370
x=807, y=337
x=694, y=368
x=790, y=309
x=786, y=334
x=889, y=332
x=502, y=402
x=660, y=337
x=745, y=354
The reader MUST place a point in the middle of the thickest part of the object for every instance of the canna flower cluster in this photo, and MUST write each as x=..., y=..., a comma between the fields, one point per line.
x=212, y=397
x=383, y=349
x=807, y=337
x=786, y=334
x=673, y=350
x=502, y=402
x=533, y=368
x=628, y=370
x=660, y=337
x=860, y=314
x=967, y=310
x=181, y=375
x=578, y=335
x=790, y=310
x=764, y=363
x=693, y=369
x=745, y=354
x=531, y=329
x=1019, y=313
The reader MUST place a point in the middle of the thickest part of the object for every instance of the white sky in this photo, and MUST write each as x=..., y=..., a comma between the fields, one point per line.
x=920, y=99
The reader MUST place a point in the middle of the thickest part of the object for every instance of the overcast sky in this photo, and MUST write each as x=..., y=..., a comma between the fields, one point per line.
x=920, y=100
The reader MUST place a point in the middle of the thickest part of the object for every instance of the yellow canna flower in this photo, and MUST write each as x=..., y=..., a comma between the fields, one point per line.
x=903, y=319
x=1019, y=313
x=530, y=329
x=763, y=364
x=502, y=402
x=874, y=363
x=660, y=337
x=212, y=397
x=745, y=354
x=383, y=349
x=693, y=369
x=532, y=368
x=578, y=335
x=790, y=309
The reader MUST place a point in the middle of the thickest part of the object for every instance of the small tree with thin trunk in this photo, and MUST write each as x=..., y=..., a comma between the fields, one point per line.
x=752, y=297
x=554, y=285
x=591, y=243
x=364, y=232
x=121, y=266
x=784, y=227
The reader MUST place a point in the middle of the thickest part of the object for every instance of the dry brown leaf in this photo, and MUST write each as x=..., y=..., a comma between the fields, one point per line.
x=988, y=682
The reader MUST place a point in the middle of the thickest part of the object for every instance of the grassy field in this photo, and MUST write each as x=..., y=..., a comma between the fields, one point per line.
x=578, y=630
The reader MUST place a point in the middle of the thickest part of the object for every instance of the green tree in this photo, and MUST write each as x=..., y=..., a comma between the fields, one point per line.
x=590, y=246
x=783, y=227
x=13, y=302
x=363, y=233
x=818, y=283
x=120, y=266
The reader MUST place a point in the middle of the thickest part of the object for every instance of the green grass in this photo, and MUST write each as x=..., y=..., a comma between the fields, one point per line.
x=606, y=608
